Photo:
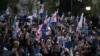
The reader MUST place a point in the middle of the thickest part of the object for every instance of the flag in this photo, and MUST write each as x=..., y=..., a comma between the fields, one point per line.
x=48, y=20
x=39, y=33
x=45, y=20
x=44, y=28
x=53, y=20
x=54, y=17
x=80, y=23
x=62, y=17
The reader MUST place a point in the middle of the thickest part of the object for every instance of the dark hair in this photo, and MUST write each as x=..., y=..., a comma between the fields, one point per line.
x=66, y=54
x=20, y=47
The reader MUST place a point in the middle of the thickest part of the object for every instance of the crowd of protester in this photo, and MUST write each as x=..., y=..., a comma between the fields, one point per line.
x=29, y=36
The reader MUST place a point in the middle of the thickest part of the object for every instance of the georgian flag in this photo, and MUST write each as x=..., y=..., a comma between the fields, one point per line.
x=46, y=20
x=80, y=23
x=62, y=17
x=54, y=17
x=39, y=32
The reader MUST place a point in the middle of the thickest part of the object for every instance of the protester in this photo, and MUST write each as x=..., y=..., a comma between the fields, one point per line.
x=18, y=52
x=49, y=35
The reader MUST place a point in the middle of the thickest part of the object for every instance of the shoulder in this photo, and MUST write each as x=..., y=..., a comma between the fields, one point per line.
x=13, y=54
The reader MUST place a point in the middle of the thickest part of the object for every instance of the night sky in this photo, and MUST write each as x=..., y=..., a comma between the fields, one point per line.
x=65, y=6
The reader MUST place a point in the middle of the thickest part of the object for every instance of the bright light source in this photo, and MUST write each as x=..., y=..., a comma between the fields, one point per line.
x=88, y=8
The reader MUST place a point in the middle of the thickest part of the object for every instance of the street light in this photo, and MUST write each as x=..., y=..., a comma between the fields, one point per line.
x=88, y=8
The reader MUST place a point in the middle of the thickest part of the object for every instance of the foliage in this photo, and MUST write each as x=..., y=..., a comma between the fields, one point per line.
x=50, y=5
x=3, y=5
x=95, y=6
x=30, y=5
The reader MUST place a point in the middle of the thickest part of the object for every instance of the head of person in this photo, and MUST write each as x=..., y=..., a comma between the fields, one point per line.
x=20, y=50
x=16, y=43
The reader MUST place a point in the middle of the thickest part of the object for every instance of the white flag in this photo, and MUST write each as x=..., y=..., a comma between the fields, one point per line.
x=54, y=17
x=80, y=23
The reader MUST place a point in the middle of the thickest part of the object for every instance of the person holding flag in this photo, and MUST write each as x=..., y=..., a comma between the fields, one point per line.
x=80, y=23
x=41, y=11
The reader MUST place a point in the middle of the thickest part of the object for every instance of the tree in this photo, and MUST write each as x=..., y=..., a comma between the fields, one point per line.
x=30, y=5
x=96, y=7
x=77, y=7
x=50, y=5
